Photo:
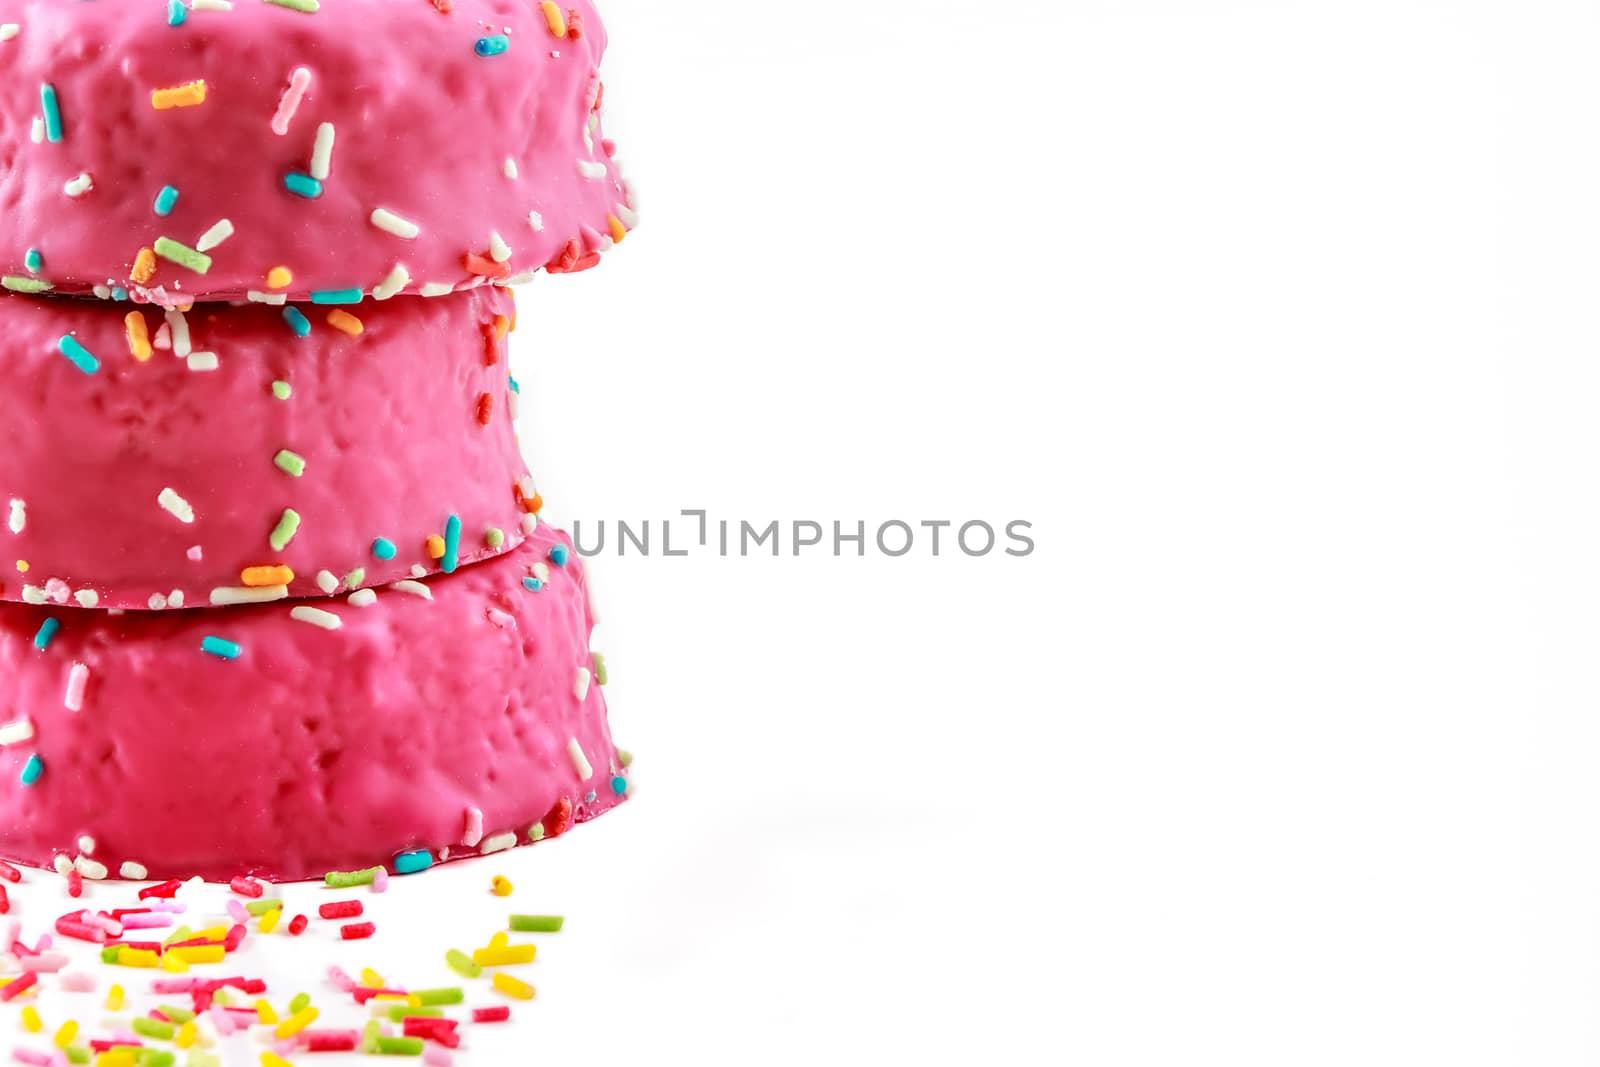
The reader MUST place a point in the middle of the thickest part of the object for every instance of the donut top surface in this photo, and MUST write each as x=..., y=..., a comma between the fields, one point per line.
x=272, y=149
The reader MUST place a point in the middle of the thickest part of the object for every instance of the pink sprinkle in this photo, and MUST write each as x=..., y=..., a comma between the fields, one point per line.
x=173, y=985
x=163, y=338
x=237, y=912
x=474, y=831
x=341, y=981
x=57, y=590
x=194, y=554
x=47, y=962
x=147, y=921
x=246, y=887
x=380, y=881
x=77, y=982
x=77, y=682
x=175, y=907
x=223, y=1020
x=104, y=922
x=434, y=1056
x=298, y=82
x=37, y=1059
x=501, y=619
x=44, y=942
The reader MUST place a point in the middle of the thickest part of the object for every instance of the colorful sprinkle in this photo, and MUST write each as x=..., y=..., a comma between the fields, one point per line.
x=220, y=648
x=336, y=296
x=553, y=18
x=52, y=113
x=188, y=94
x=302, y=185
x=307, y=6
x=290, y=463
x=389, y=222
x=182, y=255
x=77, y=355
x=166, y=200
x=297, y=321
x=282, y=390
x=537, y=924
x=283, y=533
x=345, y=322
x=175, y=505
x=33, y=260
x=514, y=987
x=138, y=335
x=30, y=774
x=493, y=45
x=289, y=103
x=384, y=549
x=412, y=862
x=452, y=545
x=46, y=634
x=558, y=555
x=177, y=14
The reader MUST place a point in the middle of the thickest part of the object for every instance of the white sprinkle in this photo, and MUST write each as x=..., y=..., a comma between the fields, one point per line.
x=179, y=508
x=32, y=594
x=256, y=296
x=138, y=872
x=418, y=571
x=157, y=601
x=590, y=169
x=497, y=843
x=472, y=831
x=581, y=687
x=501, y=619
x=527, y=487
x=322, y=153
x=536, y=220
x=202, y=361
x=86, y=845
x=180, y=333
x=628, y=216
x=175, y=599
x=530, y=523
x=102, y=292
x=397, y=280
x=327, y=620
x=93, y=870
x=499, y=251
x=79, y=185
x=580, y=762
x=362, y=598
x=77, y=682
x=9, y=30
x=211, y=5
x=62, y=864
x=437, y=289
x=327, y=581
x=414, y=588
x=86, y=598
x=389, y=222
x=541, y=571
x=37, y=132
x=214, y=236
x=520, y=278
x=511, y=168
x=16, y=733
x=19, y=516
x=195, y=554
x=224, y=595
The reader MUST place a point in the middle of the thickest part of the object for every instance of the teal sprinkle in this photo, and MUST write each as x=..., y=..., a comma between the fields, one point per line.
x=33, y=260
x=533, y=585
x=119, y=293
x=77, y=354
x=412, y=862
x=32, y=769
x=216, y=646
x=491, y=46
x=558, y=555
x=515, y=388
x=384, y=548
x=302, y=185
x=452, y=545
x=336, y=296
x=166, y=199
x=176, y=13
x=52, y=113
x=46, y=634
x=619, y=785
x=297, y=322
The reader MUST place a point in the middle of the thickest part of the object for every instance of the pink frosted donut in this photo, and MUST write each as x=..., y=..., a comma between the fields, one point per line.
x=449, y=718
x=156, y=482
x=207, y=151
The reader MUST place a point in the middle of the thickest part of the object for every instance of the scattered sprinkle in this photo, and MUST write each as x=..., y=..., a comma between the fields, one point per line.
x=220, y=648
x=289, y=462
x=77, y=355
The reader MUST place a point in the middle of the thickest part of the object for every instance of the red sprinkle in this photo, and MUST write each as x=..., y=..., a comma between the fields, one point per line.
x=574, y=25
x=559, y=820
x=247, y=887
x=5, y=901
x=485, y=267
x=235, y=938
x=491, y=348
x=297, y=925
x=166, y=890
x=9, y=873
x=18, y=986
x=331, y=1040
x=485, y=408
x=357, y=931
x=442, y=1031
x=340, y=909
x=497, y=1014
x=364, y=993
x=74, y=883
x=69, y=926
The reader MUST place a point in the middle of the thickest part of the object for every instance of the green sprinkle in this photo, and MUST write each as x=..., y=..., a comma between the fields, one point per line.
x=148, y=1027
x=537, y=924
x=536, y=832
x=33, y=260
x=283, y=533
x=289, y=462
x=19, y=284
x=599, y=668
x=494, y=537
x=261, y=907
x=446, y=995
x=281, y=390
x=397, y=1046
x=349, y=879
x=299, y=1003
x=154, y=1057
x=355, y=578
x=462, y=964
x=308, y=6
x=370, y=1035
x=77, y=1054
x=177, y=1015
x=109, y=954
x=401, y=1012
x=180, y=934
x=182, y=255
x=624, y=758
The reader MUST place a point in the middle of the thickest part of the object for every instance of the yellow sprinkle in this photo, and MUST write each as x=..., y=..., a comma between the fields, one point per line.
x=435, y=545
x=269, y=921
x=22, y=566
x=186, y=95
x=122, y=1056
x=68, y=1031
x=174, y=964
x=31, y=1021
x=187, y=1034
x=502, y=957
x=502, y=326
x=618, y=230
x=513, y=986
x=499, y=940
x=296, y=1023
x=279, y=278
x=408, y=999
x=345, y=322
x=269, y=1059
x=144, y=266
x=372, y=979
x=137, y=957
x=258, y=577
x=114, y=998
x=199, y=953
x=554, y=18
x=265, y=1013
x=138, y=336
x=210, y=933
x=501, y=887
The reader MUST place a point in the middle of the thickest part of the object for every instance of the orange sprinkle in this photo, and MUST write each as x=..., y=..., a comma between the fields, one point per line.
x=485, y=408
x=144, y=266
x=186, y=95
x=502, y=326
x=554, y=18
x=618, y=230
x=435, y=546
x=534, y=505
x=138, y=336
x=345, y=322
x=279, y=277
x=257, y=577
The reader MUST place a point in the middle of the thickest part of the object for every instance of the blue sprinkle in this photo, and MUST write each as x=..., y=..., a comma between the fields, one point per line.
x=302, y=185
x=119, y=293
x=515, y=388
x=558, y=555
x=166, y=199
x=52, y=113
x=216, y=646
x=336, y=296
x=533, y=585
x=77, y=354
x=46, y=634
x=412, y=862
x=32, y=770
x=33, y=260
x=176, y=13
x=491, y=46
x=297, y=322
x=619, y=785
x=588, y=798
x=452, y=545
x=384, y=548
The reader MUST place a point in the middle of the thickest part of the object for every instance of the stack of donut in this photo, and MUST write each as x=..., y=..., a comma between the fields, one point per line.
x=276, y=597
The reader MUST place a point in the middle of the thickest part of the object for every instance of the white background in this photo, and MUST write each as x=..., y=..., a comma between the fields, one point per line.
x=1276, y=320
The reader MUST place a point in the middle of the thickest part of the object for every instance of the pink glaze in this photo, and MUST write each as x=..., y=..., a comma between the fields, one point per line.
x=315, y=749
x=387, y=423
x=425, y=128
